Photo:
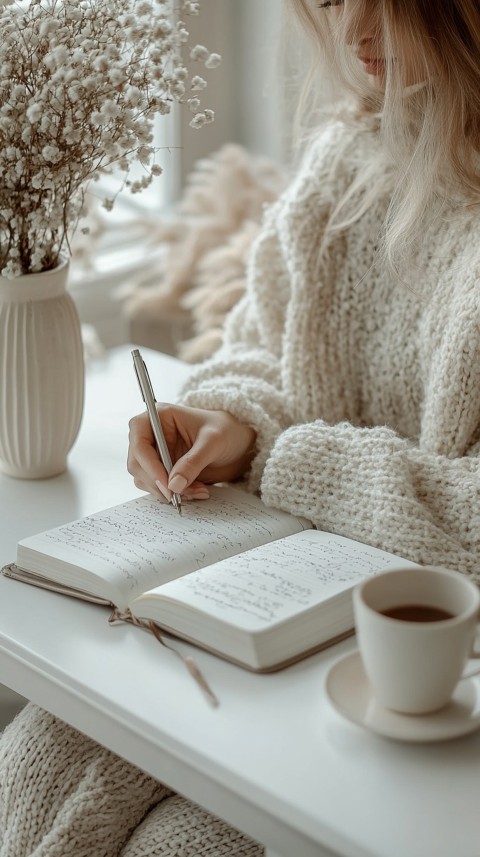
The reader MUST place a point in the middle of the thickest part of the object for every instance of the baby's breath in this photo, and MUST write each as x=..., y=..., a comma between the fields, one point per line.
x=80, y=84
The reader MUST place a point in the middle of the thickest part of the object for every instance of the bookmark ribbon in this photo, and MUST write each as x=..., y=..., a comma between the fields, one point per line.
x=127, y=616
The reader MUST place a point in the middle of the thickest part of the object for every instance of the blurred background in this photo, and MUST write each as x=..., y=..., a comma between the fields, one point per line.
x=125, y=275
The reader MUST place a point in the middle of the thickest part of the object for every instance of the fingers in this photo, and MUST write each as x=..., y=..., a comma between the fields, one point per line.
x=163, y=491
x=143, y=462
x=196, y=491
x=145, y=466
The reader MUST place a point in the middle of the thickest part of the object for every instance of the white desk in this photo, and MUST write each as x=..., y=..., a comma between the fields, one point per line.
x=275, y=760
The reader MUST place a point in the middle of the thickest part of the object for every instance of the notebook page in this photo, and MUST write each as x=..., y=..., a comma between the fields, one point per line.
x=273, y=582
x=137, y=545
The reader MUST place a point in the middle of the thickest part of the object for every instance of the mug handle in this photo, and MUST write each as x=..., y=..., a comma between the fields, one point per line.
x=474, y=655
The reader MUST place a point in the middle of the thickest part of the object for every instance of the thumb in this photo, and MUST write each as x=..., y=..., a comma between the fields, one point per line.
x=189, y=467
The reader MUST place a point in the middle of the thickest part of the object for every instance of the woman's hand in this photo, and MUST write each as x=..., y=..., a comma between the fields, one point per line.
x=205, y=446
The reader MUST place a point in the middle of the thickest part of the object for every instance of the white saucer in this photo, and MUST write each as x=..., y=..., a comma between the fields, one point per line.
x=350, y=693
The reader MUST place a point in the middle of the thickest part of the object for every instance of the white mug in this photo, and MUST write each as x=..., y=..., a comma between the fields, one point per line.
x=416, y=629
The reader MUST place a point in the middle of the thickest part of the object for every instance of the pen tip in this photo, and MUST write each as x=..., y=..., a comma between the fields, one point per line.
x=177, y=503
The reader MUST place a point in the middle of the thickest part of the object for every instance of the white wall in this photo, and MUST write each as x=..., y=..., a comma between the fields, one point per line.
x=259, y=122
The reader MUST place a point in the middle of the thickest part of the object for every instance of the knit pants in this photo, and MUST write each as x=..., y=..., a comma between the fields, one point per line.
x=63, y=795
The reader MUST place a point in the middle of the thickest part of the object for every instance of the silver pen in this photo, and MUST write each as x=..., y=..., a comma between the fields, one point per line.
x=148, y=396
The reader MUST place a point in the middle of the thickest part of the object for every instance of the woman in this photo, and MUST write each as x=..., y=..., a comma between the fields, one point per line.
x=348, y=386
x=347, y=389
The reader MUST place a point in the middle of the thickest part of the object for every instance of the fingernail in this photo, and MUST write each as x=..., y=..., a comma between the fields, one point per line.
x=177, y=484
x=164, y=491
x=196, y=495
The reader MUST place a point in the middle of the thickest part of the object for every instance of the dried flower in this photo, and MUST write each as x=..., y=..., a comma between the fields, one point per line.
x=213, y=61
x=80, y=84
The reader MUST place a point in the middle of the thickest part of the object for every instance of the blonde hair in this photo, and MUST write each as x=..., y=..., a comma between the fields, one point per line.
x=430, y=131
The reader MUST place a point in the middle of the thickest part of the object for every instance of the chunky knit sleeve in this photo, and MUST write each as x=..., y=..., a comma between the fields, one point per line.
x=374, y=486
x=420, y=499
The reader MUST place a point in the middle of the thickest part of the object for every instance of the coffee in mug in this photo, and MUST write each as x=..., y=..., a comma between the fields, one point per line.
x=417, y=613
x=416, y=629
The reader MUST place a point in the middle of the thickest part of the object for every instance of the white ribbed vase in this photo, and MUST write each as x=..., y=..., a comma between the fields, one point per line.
x=41, y=374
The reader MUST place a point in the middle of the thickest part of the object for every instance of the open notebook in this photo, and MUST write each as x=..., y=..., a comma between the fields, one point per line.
x=255, y=585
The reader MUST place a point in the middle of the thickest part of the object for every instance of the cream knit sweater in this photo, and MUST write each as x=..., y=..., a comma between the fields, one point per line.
x=364, y=390
x=62, y=795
